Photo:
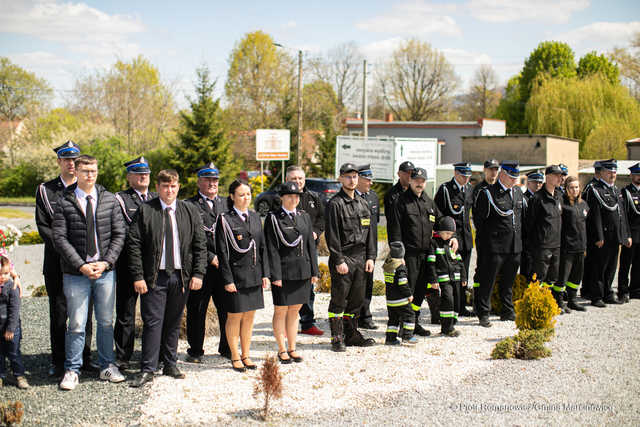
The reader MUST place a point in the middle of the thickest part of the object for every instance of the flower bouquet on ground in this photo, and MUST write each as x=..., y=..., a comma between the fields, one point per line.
x=9, y=237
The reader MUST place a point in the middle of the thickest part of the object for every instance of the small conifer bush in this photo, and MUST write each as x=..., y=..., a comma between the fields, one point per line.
x=536, y=309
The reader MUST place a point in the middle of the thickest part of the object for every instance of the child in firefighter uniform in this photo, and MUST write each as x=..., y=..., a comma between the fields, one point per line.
x=398, y=293
x=445, y=271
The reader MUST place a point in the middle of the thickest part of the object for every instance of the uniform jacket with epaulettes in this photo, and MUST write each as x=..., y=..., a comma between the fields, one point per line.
x=544, y=220
x=499, y=219
x=444, y=265
x=47, y=196
x=209, y=218
x=574, y=226
x=242, y=251
x=397, y=288
x=457, y=204
x=311, y=203
x=348, y=229
x=631, y=195
x=474, y=198
x=289, y=260
x=413, y=220
x=607, y=219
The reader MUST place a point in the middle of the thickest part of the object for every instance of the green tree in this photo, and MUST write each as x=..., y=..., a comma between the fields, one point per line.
x=259, y=85
x=203, y=137
x=132, y=97
x=511, y=107
x=111, y=155
x=22, y=93
x=592, y=63
x=586, y=109
x=417, y=81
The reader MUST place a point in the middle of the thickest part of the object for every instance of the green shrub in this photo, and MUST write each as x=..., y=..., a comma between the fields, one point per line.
x=519, y=286
x=30, y=238
x=40, y=291
x=21, y=180
x=536, y=309
x=378, y=288
x=505, y=349
x=324, y=281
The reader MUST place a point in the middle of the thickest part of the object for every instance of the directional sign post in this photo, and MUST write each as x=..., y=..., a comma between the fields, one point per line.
x=272, y=144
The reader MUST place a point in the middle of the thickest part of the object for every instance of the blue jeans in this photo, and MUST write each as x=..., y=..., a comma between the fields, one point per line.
x=11, y=351
x=78, y=290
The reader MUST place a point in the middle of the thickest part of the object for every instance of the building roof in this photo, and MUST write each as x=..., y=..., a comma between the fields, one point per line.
x=520, y=136
x=357, y=123
x=634, y=141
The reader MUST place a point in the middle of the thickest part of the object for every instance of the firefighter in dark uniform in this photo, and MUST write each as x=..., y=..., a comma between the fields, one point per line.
x=544, y=232
x=589, y=276
x=209, y=205
x=311, y=203
x=47, y=196
x=404, y=176
x=565, y=175
x=607, y=229
x=414, y=215
x=498, y=213
x=454, y=199
x=352, y=253
x=138, y=174
x=490, y=172
x=630, y=257
x=534, y=183
x=365, y=179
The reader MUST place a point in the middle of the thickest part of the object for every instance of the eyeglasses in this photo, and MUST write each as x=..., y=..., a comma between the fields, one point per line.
x=88, y=171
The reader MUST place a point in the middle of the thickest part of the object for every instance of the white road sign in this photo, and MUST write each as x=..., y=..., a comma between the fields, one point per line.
x=272, y=144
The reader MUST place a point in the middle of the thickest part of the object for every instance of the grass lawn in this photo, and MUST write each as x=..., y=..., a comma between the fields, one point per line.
x=14, y=213
x=18, y=201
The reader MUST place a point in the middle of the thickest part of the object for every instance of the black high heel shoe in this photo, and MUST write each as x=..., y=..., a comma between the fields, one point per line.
x=248, y=366
x=296, y=359
x=235, y=368
x=284, y=361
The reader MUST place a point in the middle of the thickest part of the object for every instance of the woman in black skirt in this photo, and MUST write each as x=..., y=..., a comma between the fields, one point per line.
x=293, y=265
x=574, y=241
x=244, y=269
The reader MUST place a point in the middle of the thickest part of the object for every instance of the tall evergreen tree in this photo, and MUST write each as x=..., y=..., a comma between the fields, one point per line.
x=203, y=138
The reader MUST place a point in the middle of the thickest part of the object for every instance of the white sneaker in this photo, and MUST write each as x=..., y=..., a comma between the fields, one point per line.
x=111, y=374
x=69, y=381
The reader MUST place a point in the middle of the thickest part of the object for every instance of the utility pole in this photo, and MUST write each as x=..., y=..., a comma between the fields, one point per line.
x=365, y=119
x=299, y=162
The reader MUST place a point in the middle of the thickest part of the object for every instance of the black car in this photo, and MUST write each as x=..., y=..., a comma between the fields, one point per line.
x=270, y=200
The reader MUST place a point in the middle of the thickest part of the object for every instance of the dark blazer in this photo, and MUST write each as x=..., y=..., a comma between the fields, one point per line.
x=607, y=218
x=130, y=202
x=498, y=233
x=457, y=204
x=144, y=242
x=47, y=196
x=70, y=229
x=209, y=218
x=244, y=270
x=412, y=221
x=287, y=263
x=632, y=206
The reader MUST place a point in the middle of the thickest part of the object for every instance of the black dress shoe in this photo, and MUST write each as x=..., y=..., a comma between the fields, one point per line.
x=297, y=359
x=420, y=331
x=248, y=365
x=612, y=300
x=507, y=317
x=89, y=367
x=466, y=313
x=237, y=368
x=484, y=322
x=173, y=371
x=625, y=299
x=55, y=371
x=142, y=379
x=193, y=359
x=598, y=303
x=283, y=361
x=367, y=324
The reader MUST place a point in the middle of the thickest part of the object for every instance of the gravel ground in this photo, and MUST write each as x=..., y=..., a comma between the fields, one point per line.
x=93, y=402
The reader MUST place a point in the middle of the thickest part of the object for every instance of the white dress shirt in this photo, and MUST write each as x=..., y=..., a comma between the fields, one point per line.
x=208, y=200
x=176, y=238
x=144, y=199
x=81, y=196
x=242, y=214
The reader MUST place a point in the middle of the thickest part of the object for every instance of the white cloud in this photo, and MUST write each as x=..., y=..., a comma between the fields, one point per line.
x=600, y=36
x=381, y=49
x=556, y=11
x=79, y=27
x=461, y=57
x=290, y=24
x=39, y=59
x=414, y=18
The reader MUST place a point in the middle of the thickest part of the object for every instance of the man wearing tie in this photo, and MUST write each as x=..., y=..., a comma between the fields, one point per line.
x=89, y=233
x=138, y=174
x=167, y=252
x=210, y=205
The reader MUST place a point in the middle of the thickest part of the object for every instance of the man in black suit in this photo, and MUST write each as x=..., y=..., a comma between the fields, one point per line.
x=138, y=176
x=210, y=205
x=47, y=196
x=167, y=257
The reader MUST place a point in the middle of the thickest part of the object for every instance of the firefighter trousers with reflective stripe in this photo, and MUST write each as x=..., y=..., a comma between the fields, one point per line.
x=401, y=320
x=449, y=302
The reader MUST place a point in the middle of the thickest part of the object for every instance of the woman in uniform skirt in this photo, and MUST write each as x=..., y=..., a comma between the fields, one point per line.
x=244, y=269
x=293, y=264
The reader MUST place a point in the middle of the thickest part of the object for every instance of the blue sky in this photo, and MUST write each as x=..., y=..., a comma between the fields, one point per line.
x=62, y=40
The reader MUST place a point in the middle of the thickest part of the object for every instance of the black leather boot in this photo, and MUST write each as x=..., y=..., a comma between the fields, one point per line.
x=337, y=338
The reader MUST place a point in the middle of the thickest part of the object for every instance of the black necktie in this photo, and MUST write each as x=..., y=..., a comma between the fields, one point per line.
x=91, y=229
x=143, y=197
x=293, y=216
x=168, y=242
